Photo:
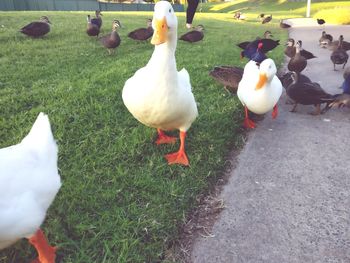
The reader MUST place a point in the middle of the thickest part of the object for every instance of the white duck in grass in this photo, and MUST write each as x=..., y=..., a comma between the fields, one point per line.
x=259, y=90
x=158, y=95
x=29, y=182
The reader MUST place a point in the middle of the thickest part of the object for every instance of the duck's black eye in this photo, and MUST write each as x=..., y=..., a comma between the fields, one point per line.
x=169, y=10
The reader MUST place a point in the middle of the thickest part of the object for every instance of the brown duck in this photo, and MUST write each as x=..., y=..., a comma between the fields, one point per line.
x=291, y=50
x=229, y=76
x=38, y=28
x=142, y=34
x=194, y=35
x=112, y=40
x=297, y=63
x=92, y=29
x=339, y=56
x=307, y=93
x=267, y=19
x=325, y=38
x=284, y=25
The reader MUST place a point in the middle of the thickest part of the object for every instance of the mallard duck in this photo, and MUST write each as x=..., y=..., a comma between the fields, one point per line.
x=339, y=56
x=284, y=25
x=307, y=93
x=287, y=79
x=259, y=90
x=325, y=38
x=332, y=46
x=297, y=63
x=29, y=182
x=194, y=35
x=267, y=19
x=112, y=40
x=98, y=20
x=229, y=76
x=163, y=88
x=142, y=33
x=38, y=28
x=290, y=50
x=238, y=16
x=92, y=29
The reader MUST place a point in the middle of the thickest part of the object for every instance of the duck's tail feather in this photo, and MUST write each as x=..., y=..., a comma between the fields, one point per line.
x=40, y=138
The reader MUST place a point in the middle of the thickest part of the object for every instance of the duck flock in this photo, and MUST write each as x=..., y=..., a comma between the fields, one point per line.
x=29, y=178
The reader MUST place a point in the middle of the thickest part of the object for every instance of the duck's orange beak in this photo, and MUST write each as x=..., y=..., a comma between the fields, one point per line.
x=160, y=33
x=262, y=81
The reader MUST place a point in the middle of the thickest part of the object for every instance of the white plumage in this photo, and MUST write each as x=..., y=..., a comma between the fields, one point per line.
x=158, y=95
x=29, y=181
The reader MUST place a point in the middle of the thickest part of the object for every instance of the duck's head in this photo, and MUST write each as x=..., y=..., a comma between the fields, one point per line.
x=294, y=75
x=115, y=25
x=164, y=23
x=290, y=42
x=98, y=13
x=199, y=28
x=45, y=19
x=149, y=22
x=267, y=71
x=268, y=34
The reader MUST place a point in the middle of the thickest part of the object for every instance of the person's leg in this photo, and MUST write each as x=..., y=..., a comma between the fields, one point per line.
x=191, y=10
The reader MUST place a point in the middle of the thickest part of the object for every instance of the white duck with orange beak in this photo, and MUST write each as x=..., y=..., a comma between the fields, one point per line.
x=260, y=89
x=158, y=95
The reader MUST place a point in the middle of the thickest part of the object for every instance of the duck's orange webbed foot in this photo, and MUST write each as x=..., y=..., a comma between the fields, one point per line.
x=275, y=112
x=47, y=253
x=163, y=138
x=179, y=157
x=249, y=124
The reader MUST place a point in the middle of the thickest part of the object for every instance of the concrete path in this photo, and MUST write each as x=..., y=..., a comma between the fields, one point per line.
x=288, y=200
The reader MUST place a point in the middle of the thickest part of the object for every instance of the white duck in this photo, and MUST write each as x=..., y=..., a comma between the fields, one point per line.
x=259, y=90
x=29, y=181
x=158, y=95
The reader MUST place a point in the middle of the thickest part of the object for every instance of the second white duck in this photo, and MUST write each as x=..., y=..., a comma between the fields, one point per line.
x=259, y=90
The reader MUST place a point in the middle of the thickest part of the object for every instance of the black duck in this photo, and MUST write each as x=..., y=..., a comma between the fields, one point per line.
x=339, y=56
x=194, y=35
x=112, y=40
x=98, y=19
x=92, y=29
x=297, y=63
x=267, y=19
x=284, y=25
x=38, y=28
x=229, y=76
x=307, y=93
x=268, y=43
x=142, y=34
x=321, y=21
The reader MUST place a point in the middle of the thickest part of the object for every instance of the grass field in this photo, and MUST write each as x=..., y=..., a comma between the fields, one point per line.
x=120, y=201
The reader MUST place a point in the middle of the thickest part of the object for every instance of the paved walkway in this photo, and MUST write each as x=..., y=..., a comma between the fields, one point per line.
x=288, y=200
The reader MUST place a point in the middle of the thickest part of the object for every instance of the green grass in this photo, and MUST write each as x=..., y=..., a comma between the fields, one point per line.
x=120, y=201
x=279, y=9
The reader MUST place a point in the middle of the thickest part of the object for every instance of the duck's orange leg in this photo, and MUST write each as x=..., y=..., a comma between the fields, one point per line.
x=47, y=254
x=179, y=156
x=274, y=112
x=163, y=138
x=248, y=123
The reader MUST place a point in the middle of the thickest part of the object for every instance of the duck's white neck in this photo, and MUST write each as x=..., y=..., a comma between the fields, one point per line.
x=164, y=54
